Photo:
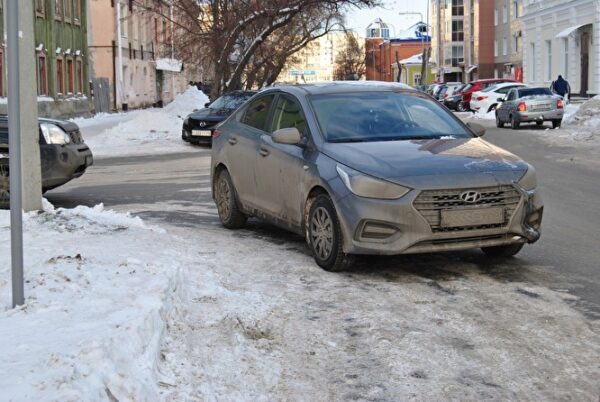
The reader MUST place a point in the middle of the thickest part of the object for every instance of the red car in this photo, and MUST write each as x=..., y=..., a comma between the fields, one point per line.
x=475, y=86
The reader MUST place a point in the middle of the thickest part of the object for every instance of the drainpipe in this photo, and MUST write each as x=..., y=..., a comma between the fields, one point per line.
x=119, y=93
x=172, y=49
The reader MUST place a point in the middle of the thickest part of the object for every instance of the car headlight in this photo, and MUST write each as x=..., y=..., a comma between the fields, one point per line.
x=529, y=179
x=54, y=134
x=369, y=187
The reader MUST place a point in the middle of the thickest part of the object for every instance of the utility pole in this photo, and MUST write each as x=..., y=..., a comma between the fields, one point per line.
x=119, y=86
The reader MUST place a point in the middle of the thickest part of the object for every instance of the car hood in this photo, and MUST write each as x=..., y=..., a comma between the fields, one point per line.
x=66, y=125
x=209, y=114
x=436, y=163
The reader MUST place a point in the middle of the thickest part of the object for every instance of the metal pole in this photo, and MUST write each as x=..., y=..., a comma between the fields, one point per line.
x=14, y=140
x=119, y=94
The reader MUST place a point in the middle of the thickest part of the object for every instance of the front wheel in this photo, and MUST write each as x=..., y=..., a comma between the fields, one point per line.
x=505, y=251
x=556, y=123
x=325, y=237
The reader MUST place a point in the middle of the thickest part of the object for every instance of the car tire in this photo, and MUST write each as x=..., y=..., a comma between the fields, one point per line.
x=556, y=123
x=462, y=107
x=324, y=236
x=539, y=123
x=514, y=124
x=505, y=251
x=499, y=123
x=230, y=214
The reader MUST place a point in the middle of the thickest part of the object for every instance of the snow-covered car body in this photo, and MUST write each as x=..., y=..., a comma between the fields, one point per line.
x=486, y=100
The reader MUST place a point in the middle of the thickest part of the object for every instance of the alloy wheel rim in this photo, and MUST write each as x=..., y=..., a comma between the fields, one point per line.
x=223, y=198
x=321, y=231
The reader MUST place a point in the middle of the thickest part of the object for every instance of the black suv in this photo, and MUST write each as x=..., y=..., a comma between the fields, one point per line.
x=199, y=126
x=64, y=155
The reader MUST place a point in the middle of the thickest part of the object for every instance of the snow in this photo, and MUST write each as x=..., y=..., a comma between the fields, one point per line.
x=98, y=286
x=150, y=131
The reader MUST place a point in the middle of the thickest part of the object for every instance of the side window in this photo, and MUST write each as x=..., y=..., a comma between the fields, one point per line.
x=504, y=90
x=288, y=113
x=511, y=95
x=257, y=112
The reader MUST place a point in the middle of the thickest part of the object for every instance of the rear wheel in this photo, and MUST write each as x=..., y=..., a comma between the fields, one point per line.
x=462, y=107
x=499, y=123
x=230, y=213
x=539, y=123
x=325, y=237
x=556, y=123
x=508, y=250
x=514, y=124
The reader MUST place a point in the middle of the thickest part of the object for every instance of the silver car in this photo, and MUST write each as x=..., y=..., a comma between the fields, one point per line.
x=371, y=168
x=529, y=105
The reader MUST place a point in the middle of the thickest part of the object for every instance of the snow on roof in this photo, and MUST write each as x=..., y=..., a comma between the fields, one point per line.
x=169, y=65
x=417, y=31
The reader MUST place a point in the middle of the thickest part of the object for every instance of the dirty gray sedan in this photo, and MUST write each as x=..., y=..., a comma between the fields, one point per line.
x=371, y=168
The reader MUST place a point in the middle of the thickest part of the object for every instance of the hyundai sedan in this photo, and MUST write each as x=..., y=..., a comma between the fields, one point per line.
x=371, y=168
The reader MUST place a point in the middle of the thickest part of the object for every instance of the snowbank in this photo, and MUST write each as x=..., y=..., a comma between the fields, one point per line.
x=99, y=285
x=150, y=131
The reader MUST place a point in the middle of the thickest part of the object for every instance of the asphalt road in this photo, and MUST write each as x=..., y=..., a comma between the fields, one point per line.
x=174, y=190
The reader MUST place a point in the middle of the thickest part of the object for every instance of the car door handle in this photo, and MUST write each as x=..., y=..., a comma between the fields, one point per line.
x=264, y=152
x=232, y=141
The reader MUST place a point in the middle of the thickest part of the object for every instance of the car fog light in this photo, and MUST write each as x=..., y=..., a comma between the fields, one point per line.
x=373, y=230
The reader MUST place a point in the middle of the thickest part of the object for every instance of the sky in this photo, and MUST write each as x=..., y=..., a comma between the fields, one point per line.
x=358, y=20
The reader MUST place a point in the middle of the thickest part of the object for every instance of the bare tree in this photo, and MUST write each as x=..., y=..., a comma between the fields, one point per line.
x=350, y=62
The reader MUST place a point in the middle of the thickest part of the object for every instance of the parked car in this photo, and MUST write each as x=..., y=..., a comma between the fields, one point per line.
x=486, y=100
x=63, y=153
x=439, y=94
x=475, y=86
x=530, y=105
x=371, y=169
x=198, y=127
x=451, y=88
x=452, y=101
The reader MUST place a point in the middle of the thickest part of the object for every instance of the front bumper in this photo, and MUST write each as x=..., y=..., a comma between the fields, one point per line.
x=187, y=136
x=524, y=117
x=63, y=163
x=390, y=227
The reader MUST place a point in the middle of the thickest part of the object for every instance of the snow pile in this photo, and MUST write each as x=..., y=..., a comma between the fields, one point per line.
x=150, y=130
x=99, y=285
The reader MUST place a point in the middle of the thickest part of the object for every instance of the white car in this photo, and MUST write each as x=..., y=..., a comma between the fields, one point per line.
x=486, y=100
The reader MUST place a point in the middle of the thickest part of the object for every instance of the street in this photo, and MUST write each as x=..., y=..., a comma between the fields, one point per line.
x=174, y=190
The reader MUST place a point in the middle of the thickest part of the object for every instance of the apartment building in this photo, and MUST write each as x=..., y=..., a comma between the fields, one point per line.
x=508, y=42
x=463, y=39
x=562, y=37
x=132, y=60
x=60, y=57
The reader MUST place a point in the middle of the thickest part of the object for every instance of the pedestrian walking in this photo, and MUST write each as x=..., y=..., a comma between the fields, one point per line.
x=561, y=87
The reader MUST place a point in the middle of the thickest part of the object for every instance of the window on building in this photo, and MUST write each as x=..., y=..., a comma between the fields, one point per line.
x=504, y=46
x=156, y=30
x=516, y=9
x=60, y=77
x=532, y=61
x=123, y=21
x=516, y=44
x=70, y=76
x=1, y=71
x=457, y=55
x=549, y=60
x=495, y=17
x=164, y=31
x=566, y=58
x=40, y=8
x=417, y=79
x=458, y=7
x=42, y=75
x=68, y=9
x=504, y=14
x=80, y=87
x=457, y=31
x=77, y=11
x=58, y=9
x=495, y=47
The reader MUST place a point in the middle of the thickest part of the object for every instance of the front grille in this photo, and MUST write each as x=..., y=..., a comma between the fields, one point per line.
x=76, y=137
x=431, y=203
x=195, y=125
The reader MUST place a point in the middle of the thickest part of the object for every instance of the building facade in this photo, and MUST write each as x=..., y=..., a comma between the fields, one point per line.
x=132, y=62
x=383, y=51
x=508, y=41
x=60, y=28
x=463, y=39
x=408, y=71
x=562, y=37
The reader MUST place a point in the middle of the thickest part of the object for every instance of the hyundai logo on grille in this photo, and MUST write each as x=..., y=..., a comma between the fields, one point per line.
x=202, y=124
x=470, y=196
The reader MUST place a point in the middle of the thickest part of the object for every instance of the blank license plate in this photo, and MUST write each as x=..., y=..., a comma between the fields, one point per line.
x=473, y=217
x=201, y=133
x=542, y=107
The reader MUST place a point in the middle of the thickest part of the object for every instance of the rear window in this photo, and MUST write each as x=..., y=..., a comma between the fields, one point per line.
x=534, y=92
x=383, y=116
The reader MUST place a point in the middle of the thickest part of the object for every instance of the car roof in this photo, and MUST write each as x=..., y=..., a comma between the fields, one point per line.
x=333, y=87
x=240, y=92
x=493, y=80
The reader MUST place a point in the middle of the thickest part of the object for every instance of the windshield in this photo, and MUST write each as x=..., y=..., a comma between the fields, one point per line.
x=534, y=91
x=383, y=116
x=230, y=101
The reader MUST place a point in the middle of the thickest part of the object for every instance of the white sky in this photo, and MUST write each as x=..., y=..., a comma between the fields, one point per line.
x=360, y=19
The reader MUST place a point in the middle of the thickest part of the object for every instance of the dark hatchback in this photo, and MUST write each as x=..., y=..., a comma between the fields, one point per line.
x=63, y=153
x=198, y=127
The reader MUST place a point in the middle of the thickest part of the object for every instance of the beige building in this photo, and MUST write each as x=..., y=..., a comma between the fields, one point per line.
x=136, y=68
x=508, y=44
x=316, y=62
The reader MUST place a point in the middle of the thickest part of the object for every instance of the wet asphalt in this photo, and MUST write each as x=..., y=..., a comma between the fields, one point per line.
x=173, y=189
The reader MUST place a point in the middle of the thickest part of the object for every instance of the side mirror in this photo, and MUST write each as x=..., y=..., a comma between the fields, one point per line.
x=289, y=136
x=207, y=104
x=500, y=99
x=477, y=129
